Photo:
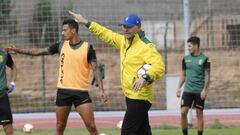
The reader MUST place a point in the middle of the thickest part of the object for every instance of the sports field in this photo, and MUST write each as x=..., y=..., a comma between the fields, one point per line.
x=159, y=131
x=38, y=24
x=218, y=122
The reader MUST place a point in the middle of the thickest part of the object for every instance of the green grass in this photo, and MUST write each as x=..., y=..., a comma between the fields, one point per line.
x=155, y=131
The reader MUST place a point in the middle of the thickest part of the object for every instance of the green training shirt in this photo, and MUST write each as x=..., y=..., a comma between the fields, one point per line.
x=194, y=67
x=5, y=60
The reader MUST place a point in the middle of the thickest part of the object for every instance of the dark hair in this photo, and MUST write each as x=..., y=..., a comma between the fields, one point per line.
x=194, y=40
x=71, y=23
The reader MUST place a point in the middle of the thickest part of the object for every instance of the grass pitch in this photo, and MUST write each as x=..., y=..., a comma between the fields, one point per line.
x=155, y=131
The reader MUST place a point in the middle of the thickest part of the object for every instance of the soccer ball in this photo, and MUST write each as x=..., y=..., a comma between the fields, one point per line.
x=102, y=134
x=119, y=124
x=143, y=69
x=28, y=128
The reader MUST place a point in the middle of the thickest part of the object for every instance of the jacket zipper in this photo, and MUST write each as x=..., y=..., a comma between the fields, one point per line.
x=124, y=60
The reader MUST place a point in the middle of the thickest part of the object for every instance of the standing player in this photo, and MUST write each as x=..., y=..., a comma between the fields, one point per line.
x=76, y=58
x=135, y=50
x=196, y=75
x=5, y=110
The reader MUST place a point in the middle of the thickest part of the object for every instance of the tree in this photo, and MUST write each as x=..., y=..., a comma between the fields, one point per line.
x=7, y=21
x=44, y=27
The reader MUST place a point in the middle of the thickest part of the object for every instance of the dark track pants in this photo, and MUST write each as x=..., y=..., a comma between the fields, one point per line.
x=136, y=118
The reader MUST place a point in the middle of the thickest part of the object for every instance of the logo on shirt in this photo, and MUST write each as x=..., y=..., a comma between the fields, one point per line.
x=61, y=67
x=188, y=60
x=200, y=62
x=1, y=58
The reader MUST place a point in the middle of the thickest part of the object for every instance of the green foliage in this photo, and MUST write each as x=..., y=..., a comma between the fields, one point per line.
x=64, y=13
x=7, y=21
x=44, y=27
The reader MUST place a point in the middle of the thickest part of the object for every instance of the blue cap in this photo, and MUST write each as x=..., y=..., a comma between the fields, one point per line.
x=131, y=20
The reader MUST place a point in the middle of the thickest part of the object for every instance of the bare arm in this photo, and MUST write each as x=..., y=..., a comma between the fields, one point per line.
x=207, y=79
x=97, y=75
x=99, y=81
x=78, y=17
x=206, y=84
x=32, y=52
x=13, y=72
x=180, y=83
x=182, y=79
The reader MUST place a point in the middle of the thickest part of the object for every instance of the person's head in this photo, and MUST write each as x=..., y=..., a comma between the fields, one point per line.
x=69, y=28
x=193, y=44
x=131, y=25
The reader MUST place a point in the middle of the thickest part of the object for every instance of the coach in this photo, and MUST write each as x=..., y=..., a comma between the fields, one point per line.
x=135, y=50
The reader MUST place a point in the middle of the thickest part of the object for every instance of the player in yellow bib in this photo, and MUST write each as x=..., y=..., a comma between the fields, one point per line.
x=76, y=58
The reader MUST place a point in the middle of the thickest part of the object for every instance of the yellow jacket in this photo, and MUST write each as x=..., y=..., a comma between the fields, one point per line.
x=133, y=56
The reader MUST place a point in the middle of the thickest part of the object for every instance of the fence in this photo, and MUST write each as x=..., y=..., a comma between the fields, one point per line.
x=37, y=24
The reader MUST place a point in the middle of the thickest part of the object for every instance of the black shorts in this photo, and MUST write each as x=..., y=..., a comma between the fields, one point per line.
x=69, y=97
x=5, y=110
x=192, y=98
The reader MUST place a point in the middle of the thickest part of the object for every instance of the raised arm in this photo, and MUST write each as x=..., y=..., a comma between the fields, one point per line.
x=31, y=52
x=78, y=18
x=103, y=33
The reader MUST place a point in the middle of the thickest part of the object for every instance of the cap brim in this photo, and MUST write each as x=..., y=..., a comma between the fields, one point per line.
x=126, y=24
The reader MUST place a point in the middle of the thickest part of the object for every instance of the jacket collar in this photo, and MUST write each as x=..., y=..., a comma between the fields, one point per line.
x=138, y=36
x=141, y=34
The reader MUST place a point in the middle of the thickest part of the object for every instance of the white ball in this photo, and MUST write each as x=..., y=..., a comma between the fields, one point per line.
x=143, y=69
x=28, y=128
x=119, y=124
x=102, y=134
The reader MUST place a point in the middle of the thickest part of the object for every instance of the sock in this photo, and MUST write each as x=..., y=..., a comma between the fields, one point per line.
x=200, y=132
x=185, y=131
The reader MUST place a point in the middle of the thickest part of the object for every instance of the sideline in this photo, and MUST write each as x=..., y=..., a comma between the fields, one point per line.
x=103, y=114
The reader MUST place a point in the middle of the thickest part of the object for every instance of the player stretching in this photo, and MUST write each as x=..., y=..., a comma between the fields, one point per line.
x=76, y=58
x=196, y=75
